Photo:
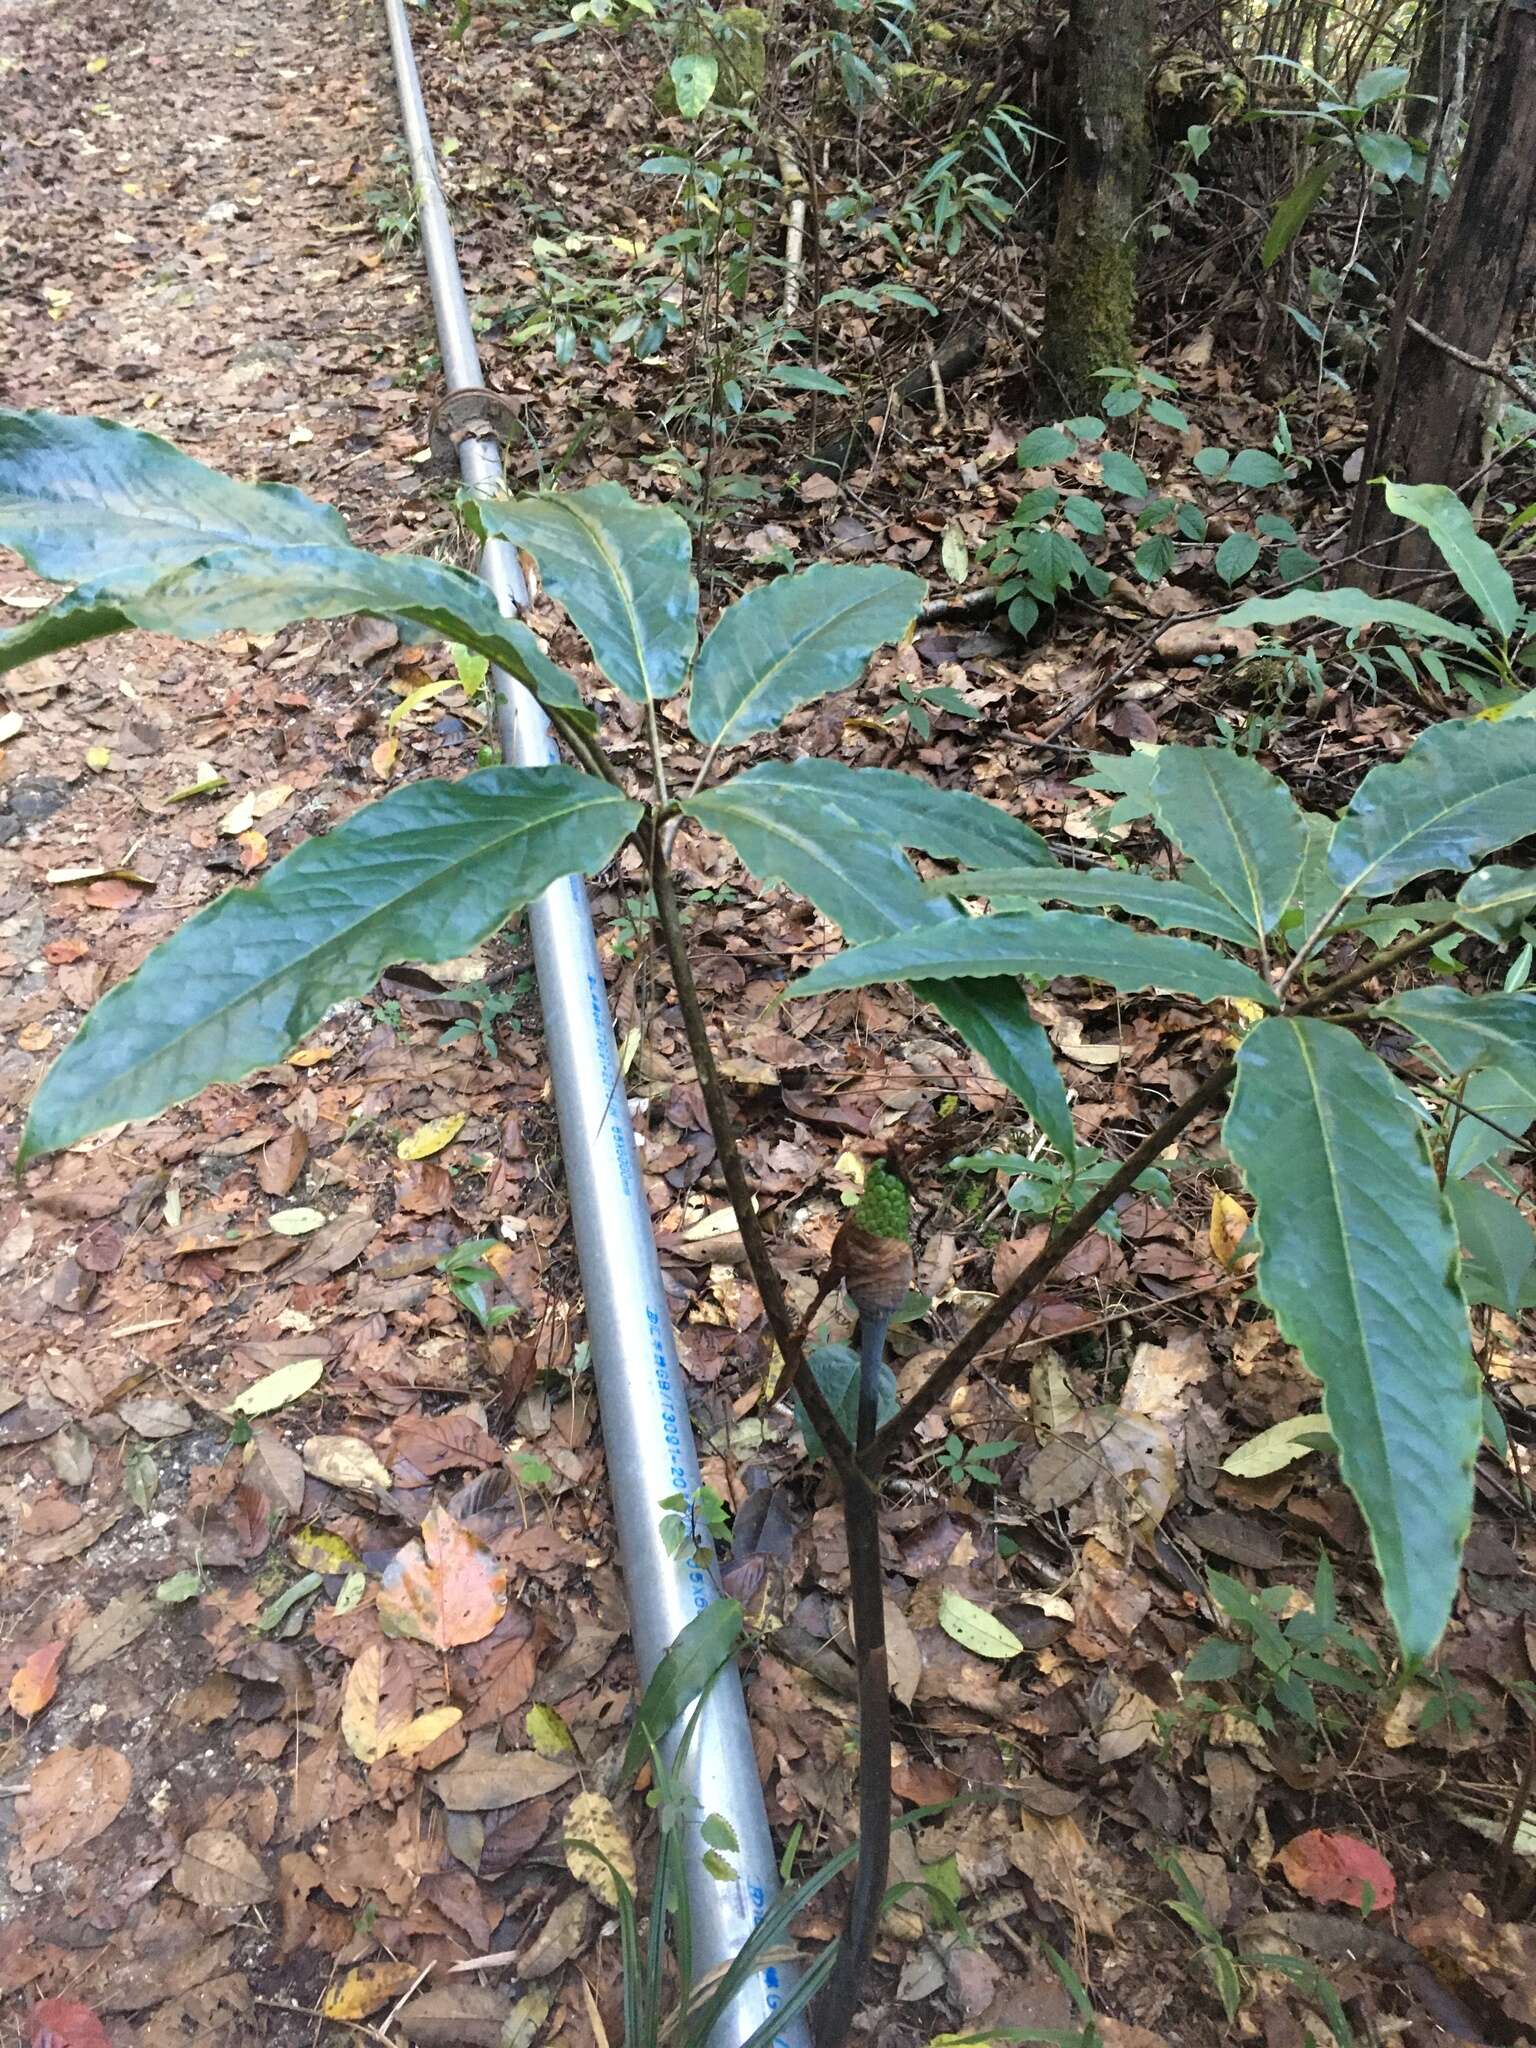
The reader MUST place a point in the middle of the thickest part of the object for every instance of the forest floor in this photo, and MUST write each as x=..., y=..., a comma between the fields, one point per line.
x=200, y=1841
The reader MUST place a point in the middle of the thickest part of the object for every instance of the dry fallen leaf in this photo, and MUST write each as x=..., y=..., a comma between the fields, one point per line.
x=345, y=1461
x=593, y=1832
x=34, y=1682
x=445, y=1590
x=218, y=1869
x=363, y=1990
x=375, y=1707
x=1337, y=1869
x=1229, y=1222
x=65, y=2023
x=75, y=1795
x=483, y=1778
x=432, y=1137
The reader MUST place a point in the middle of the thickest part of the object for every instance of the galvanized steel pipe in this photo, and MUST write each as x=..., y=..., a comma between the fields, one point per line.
x=646, y=1429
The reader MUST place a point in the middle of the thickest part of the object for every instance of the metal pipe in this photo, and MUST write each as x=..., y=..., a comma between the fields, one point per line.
x=649, y=1440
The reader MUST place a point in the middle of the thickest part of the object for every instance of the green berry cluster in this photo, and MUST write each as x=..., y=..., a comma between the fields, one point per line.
x=885, y=1209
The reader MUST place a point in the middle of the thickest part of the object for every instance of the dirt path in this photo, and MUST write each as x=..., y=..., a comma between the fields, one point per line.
x=189, y=248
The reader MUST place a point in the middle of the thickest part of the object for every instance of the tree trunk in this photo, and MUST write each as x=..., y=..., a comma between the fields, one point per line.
x=1439, y=71
x=1090, y=289
x=1479, y=276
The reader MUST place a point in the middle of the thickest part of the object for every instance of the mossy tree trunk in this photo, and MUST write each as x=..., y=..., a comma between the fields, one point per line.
x=1090, y=291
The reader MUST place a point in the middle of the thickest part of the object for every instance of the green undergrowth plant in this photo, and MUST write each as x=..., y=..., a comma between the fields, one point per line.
x=1339, y=1076
x=1273, y=1662
x=1058, y=541
x=1441, y=657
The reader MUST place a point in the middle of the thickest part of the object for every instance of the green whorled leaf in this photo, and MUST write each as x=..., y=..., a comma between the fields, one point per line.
x=82, y=499
x=1498, y=1250
x=1174, y=906
x=1358, y=1262
x=703, y=1646
x=622, y=570
x=1236, y=556
x=1042, y=942
x=694, y=77
x=1353, y=608
x=1496, y=901
x=424, y=874
x=835, y=834
x=796, y=638
x=1469, y=1031
x=1467, y=555
x=1463, y=789
x=1240, y=826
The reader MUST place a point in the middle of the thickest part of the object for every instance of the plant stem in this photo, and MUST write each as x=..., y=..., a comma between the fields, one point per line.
x=866, y=1593
x=717, y=1108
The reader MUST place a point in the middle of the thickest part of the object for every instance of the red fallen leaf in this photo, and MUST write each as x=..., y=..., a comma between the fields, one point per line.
x=1335, y=1870
x=34, y=1683
x=66, y=2023
x=447, y=1589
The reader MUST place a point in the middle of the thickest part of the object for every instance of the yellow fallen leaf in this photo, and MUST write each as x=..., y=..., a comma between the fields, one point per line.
x=95, y=64
x=259, y=804
x=311, y=1055
x=371, y=1720
x=98, y=758
x=384, y=756
x=253, y=850
x=431, y=1137
x=278, y=1388
x=1229, y=1222
x=591, y=1825
x=57, y=877
x=300, y=436
x=11, y=723
x=549, y=1734
x=321, y=1550
x=362, y=1991
x=296, y=1222
x=421, y=1733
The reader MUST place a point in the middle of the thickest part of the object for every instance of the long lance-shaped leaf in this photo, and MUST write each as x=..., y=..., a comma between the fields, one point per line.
x=1353, y=608
x=1240, y=826
x=258, y=589
x=424, y=874
x=794, y=639
x=86, y=498
x=1043, y=942
x=1474, y=564
x=1463, y=789
x=160, y=541
x=1358, y=1263
x=951, y=824
x=834, y=834
x=1469, y=1031
x=622, y=570
x=1174, y=906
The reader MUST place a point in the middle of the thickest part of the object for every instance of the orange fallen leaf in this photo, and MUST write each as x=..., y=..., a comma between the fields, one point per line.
x=66, y=2023
x=445, y=1590
x=1336, y=1869
x=1229, y=1222
x=35, y=1682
